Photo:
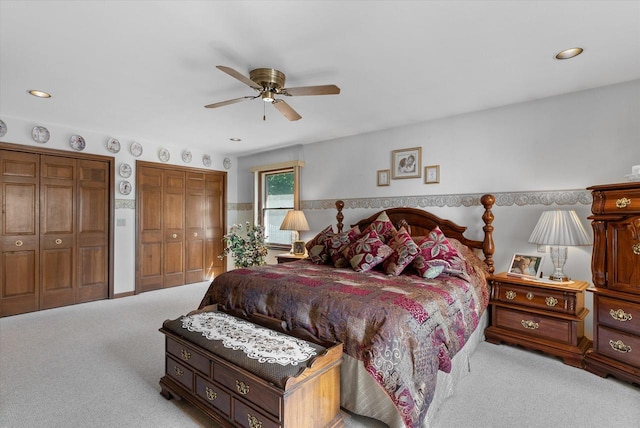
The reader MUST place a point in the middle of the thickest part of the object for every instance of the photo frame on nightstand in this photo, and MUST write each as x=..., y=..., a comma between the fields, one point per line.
x=298, y=248
x=525, y=265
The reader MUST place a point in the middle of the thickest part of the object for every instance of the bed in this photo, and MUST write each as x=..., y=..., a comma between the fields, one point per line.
x=406, y=337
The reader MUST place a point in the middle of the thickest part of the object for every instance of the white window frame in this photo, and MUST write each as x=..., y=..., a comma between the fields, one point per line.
x=260, y=173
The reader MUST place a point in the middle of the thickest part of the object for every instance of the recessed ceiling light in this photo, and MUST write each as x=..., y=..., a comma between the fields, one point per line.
x=569, y=53
x=39, y=94
x=235, y=139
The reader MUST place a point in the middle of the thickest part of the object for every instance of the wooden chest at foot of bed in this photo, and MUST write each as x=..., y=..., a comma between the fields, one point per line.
x=238, y=382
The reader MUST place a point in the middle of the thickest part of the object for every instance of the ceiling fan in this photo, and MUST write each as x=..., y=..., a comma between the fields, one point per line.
x=269, y=82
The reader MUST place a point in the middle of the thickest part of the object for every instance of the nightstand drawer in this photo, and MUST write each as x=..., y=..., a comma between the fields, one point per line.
x=557, y=330
x=619, y=201
x=189, y=356
x=619, y=314
x=535, y=297
x=619, y=346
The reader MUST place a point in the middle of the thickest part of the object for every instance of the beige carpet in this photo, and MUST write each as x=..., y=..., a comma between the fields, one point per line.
x=98, y=365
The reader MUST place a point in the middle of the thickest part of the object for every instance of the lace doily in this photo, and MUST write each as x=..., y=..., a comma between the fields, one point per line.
x=256, y=342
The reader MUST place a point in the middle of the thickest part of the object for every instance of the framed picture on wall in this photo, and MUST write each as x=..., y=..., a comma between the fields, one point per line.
x=383, y=177
x=432, y=174
x=525, y=265
x=406, y=163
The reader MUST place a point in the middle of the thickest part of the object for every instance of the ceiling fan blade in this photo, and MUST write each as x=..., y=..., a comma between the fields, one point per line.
x=311, y=90
x=226, y=103
x=233, y=73
x=286, y=110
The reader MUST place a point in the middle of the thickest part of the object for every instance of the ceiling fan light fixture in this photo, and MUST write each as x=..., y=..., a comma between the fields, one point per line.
x=569, y=53
x=268, y=97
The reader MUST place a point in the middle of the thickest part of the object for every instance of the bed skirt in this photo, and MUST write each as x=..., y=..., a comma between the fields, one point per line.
x=361, y=394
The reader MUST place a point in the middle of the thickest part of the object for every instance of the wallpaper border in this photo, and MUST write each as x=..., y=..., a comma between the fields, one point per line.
x=503, y=199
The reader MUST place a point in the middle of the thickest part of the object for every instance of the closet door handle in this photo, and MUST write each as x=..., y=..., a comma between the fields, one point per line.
x=174, y=236
x=19, y=243
x=195, y=234
x=58, y=241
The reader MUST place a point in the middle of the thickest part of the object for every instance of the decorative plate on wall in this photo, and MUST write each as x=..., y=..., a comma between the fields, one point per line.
x=113, y=145
x=164, y=155
x=40, y=134
x=125, y=187
x=226, y=163
x=125, y=170
x=186, y=156
x=206, y=160
x=136, y=149
x=3, y=128
x=77, y=143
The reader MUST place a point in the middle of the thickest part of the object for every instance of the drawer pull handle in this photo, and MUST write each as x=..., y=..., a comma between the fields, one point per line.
x=530, y=324
x=174, y=236
x=186, y=355
x=242, y=387
x=623, y=202
x=19, y=243
x=211, y=394
x=551, y=301
x=177, y=371
x=636, y=249
x=530, y=295
x=620, y=315
x=58, y=241
x=510, y=295
x=619, y=346
x=253, y=421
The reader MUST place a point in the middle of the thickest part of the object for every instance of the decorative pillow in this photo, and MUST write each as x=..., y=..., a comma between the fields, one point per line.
x=316, y=249
x=436, y=250
x=338, y=242
x=383, y=227
x=367, y=252
x=404, y=251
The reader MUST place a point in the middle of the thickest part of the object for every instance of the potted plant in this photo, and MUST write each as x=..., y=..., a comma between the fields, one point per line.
x=245, y=244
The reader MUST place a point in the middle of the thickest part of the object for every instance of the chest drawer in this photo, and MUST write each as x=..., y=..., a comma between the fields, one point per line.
x=557, y=330
x=187, y=355
x=213, y=395
x=248, y=417
x=619, y=345
x=180, y=373
x=619, y=314
x=248, y=388
x=535, y=297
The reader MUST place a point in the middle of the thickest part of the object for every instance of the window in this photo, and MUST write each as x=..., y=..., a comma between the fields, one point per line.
x=277, y=193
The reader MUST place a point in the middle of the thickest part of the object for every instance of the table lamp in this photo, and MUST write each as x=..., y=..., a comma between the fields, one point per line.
x=559, y=228
x=295, y=221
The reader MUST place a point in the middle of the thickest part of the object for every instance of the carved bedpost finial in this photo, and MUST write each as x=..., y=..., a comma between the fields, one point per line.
x=339, y=216
x=487, y=247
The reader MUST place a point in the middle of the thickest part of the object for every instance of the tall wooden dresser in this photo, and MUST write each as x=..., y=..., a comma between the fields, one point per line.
x=615, y=267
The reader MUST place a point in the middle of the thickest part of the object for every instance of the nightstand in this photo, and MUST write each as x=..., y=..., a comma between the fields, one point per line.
x=547, y=317
x=289, y=257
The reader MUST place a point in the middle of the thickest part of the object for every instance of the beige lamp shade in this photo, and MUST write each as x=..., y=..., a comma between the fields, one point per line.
x=294, y=220
x=559, y=227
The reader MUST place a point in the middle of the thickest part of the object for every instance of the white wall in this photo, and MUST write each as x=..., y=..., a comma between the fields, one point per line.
x=19, y=132
x=524, y=151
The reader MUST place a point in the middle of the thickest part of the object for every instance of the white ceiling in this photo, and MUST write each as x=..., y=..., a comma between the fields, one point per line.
x=145, y=69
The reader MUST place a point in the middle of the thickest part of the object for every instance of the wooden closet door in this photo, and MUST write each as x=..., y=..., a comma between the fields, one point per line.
x=150, y=233
x=215, y=222
x=173, y=222
x=93, y=231
x=195, y=214
x=19, y=242
x=57, y=231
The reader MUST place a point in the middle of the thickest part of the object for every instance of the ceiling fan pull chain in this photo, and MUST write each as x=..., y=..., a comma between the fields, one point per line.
x=264, y=112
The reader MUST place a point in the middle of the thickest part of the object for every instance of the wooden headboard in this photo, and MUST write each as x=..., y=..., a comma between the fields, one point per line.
x=420, y=223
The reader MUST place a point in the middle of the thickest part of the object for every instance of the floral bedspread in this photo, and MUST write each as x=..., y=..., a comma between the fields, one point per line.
x=403, y=328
